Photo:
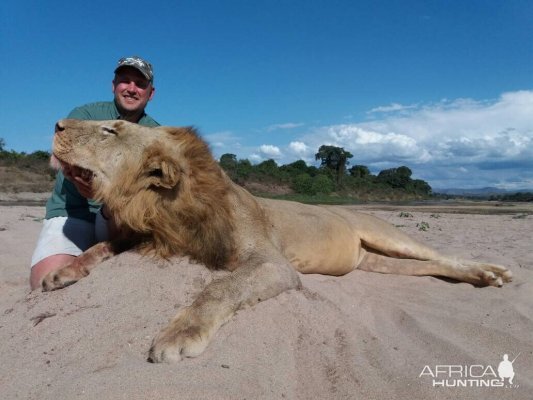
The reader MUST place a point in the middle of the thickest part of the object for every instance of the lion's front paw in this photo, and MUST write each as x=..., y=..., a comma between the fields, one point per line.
x=185, y=336
x=62, y=278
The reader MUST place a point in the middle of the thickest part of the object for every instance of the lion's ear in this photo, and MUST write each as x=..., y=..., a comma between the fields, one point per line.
x=162, y=173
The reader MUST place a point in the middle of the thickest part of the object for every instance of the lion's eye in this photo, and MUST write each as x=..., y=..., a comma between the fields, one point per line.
x=107, y=130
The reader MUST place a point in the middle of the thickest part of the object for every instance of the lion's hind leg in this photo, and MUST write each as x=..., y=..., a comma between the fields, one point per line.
x=388, y=250
x=478, y=274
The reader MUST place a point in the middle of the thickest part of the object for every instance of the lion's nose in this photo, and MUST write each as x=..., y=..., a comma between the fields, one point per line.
x=60, y=127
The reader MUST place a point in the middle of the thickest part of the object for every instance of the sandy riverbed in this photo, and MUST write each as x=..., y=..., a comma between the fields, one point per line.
x=360, y=336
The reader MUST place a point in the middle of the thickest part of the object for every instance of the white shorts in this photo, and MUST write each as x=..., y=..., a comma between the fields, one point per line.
x=64, y=235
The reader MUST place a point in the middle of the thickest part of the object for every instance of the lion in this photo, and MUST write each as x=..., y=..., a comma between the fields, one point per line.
x=169, y=197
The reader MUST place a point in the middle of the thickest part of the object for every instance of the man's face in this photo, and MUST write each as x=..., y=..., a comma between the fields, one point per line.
x=132, y=90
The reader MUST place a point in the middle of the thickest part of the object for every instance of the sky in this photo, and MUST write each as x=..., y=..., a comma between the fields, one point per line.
x=443, y=87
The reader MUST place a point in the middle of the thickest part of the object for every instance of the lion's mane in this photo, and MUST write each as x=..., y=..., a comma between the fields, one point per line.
x=176, y=196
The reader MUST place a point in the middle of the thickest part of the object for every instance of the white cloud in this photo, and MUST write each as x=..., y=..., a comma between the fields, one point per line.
x=371, y=145
x=255, y=158
x=449, y=143
x=288, y=125
x=462, y=142
x=270, y=151
x=298, y=148
x=223, y=140
x=394, y=107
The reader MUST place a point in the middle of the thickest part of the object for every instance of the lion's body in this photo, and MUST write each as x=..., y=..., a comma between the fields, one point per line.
x=313, y=239
x=169, y=197
x=332, y=240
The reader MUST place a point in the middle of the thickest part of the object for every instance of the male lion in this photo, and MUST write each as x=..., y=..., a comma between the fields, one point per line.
x=169, y=197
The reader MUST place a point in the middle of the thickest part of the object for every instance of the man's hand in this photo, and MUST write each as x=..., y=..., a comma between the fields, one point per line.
x=84, y=187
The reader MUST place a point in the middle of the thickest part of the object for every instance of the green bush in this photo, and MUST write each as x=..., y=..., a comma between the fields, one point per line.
x=303, y=184
x=322, y=184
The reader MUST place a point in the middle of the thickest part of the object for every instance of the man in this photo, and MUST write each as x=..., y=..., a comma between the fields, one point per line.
x=73, y=222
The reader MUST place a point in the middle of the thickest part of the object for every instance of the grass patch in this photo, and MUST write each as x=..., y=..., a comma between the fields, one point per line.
x=422, y=226
x=313, y=199
x=404, y=214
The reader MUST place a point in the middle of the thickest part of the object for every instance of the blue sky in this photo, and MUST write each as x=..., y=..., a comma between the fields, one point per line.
x=444, y=87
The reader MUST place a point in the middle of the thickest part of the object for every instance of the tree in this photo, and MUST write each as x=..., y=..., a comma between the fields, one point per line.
x=335, y=159
x=268, y=166
x=404, y=172
x=296, y=167
x=359, y=171
x=228, y=161
x=395, y=177
x=39, y=155
x=239, y=170
x=244, y=169
x=2, y=144
x=419, y=187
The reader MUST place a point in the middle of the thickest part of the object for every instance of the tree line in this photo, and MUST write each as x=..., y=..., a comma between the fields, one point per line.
x=13, y=157
x=37, y=161
x=332, y=176
x=518, y=197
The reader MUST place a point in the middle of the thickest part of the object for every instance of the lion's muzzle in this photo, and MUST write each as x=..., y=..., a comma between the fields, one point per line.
x=61, y=147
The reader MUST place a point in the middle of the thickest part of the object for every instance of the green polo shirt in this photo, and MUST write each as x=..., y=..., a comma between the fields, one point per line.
x=65, y=200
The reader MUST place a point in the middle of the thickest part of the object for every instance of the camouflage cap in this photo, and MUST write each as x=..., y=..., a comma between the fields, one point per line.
x=138, y=63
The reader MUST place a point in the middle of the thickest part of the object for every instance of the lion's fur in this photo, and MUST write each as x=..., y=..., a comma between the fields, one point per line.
x=170, y=197
x=175, y=217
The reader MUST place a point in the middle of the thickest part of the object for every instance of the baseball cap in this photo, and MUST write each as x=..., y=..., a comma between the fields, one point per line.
x=139, y=64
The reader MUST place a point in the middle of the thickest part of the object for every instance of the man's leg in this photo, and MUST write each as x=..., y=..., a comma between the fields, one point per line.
x=61, y=240
x=47, y=265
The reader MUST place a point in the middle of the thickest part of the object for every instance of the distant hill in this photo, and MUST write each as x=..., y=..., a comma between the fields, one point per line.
x=480, y=192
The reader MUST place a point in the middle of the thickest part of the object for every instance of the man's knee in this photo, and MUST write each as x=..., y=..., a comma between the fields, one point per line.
x=62, y=239
x=47, y=265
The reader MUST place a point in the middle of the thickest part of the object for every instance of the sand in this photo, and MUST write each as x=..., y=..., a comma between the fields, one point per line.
x=360, y=336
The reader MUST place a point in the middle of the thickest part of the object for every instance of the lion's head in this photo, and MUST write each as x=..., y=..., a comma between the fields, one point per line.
x=161, y=182
x=106, y=148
